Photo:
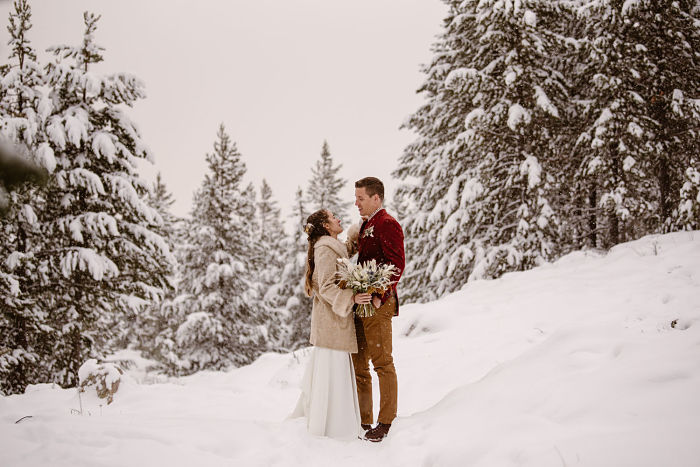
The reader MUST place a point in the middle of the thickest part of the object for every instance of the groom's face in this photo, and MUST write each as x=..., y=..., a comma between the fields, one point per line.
x=365, y=203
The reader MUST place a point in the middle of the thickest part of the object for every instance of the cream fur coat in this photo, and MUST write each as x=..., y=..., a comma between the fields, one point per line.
x=332, y=322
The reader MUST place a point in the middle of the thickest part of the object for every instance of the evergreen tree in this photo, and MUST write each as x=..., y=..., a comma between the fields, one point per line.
x=146, y=334
x=297, y=306
x=687, y=214
x=271, y=238
x=99, y=261
x=224, y=318
x=162, y=201
x=639, y=123
x=669, y=32
x=24, y=108
x=325, y=186
x=420, y=157
x=486, y=142
x=399, y=207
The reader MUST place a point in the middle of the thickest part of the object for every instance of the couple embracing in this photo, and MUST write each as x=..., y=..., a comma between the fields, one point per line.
x=336, y=394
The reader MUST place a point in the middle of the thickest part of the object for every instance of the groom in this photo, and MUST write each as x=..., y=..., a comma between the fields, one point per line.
x=380, y=239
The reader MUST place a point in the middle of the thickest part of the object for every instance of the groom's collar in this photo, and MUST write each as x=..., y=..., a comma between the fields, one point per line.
x=374, y=214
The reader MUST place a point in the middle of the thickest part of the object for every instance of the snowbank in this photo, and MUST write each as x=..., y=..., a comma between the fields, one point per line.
x=593, y=361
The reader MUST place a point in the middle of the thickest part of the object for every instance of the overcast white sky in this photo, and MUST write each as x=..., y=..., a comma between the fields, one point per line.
x=282, y=76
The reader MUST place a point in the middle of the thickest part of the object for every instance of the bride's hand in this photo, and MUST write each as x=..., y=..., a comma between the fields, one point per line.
x=362, y=298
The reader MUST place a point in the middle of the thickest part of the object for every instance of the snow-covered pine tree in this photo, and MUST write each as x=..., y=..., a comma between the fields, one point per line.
x=270, y=320
x=101, y=262
x=399, y=207
x=687, y=215
x=415, y=280
x=325, y=185
x=146, y=334
x=668, y=31
x=272, y=240
x=437, y=122
x=271, y=237
x=161, y=199
x=24, y=108
x=613, y=122
x=479, y=171
x=297, y=322
x=223, y=315
x=640, y=120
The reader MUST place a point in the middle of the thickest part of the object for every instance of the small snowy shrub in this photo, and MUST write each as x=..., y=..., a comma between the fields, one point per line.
x=104, y=377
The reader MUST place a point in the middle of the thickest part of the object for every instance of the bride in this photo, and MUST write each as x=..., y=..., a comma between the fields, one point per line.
x=329, y=394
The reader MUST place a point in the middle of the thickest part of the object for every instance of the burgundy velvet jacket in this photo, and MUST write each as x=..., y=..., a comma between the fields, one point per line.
x=381, y=239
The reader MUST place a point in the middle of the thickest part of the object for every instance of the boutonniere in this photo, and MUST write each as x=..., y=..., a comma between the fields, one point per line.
x=369, y=232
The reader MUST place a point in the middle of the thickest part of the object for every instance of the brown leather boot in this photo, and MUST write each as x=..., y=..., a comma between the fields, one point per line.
x=378, y=433
x=366, y=427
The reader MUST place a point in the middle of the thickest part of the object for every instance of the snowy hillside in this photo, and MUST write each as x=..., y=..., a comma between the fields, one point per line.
x=593, y=361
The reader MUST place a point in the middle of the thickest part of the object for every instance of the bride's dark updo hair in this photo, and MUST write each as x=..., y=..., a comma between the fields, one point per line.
x=315, y=229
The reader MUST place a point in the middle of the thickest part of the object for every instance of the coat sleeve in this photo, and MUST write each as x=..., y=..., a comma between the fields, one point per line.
x=340, y=300
x=393, y=250
x=351, y=242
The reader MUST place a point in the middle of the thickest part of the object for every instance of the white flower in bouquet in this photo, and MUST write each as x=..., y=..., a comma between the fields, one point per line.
x=368, y=277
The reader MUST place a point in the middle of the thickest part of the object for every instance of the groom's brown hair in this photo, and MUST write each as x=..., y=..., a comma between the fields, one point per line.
x=372, y=185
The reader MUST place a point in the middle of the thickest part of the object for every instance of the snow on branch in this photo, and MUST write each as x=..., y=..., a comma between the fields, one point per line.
x=14, y=259
x=56, y=132
x=28, y=215
x=88, y=260
x=628, y=6
x=677, y=102
x=126, y=192
x=199, y=325
x=458, y=78
x=473, y=188
x=544, y=103
x=152, y=240
x=91, y=83
x=635, y=130
x=45, y=157
x=532, y=168
x=103, y=145
x=13, y=127
x=474, y=115
x=76, y=125
x=97, y=223
x=124, y=123
x=81, y=178
x=517, y=115
x=123, y=88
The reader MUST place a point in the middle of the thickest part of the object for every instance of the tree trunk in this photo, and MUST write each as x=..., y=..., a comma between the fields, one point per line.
x=664, y=179
x=592, y=216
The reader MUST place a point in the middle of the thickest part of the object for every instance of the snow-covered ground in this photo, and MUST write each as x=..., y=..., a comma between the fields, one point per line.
x=574, y=363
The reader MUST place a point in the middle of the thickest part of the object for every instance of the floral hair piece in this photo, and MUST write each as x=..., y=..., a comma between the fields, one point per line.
x=308, y=228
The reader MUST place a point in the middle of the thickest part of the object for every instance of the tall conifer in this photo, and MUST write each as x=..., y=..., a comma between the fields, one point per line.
x=297, y=306
x=223, y=316
x=23, y=112
x=323, y=191
x=480, y=171
x=98, y=261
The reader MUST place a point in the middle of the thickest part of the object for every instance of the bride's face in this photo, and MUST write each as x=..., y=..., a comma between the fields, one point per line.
x=333, y=224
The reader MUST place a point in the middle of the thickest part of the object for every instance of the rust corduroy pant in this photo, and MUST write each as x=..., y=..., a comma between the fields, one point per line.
x=374, y=344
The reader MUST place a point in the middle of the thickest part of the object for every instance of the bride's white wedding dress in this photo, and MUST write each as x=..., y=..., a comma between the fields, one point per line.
x=329, y=395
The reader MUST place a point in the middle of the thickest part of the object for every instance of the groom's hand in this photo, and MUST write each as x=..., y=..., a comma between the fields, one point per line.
x=376, y=301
